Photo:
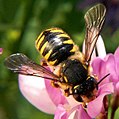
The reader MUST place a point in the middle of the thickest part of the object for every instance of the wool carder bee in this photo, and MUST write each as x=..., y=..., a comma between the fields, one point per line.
x=59, y=51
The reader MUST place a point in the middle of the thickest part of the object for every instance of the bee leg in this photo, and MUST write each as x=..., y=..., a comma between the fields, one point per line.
x=84, y=105
x=66, y=88
x=55, y=84
x=66, y=92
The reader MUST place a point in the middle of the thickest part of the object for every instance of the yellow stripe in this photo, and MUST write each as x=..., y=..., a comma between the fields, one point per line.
x=73, y=49
x=43, y=47
x=56, y=30
x=48, y=54
x=68, y=42
x=40, y=41
x=39, y=36
x=52, y=62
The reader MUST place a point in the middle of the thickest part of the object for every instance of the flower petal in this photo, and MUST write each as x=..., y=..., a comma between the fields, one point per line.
x=72, y=102
x=33, y=89
x=61, y=112
x=117, y=88
x=78, y=112
x=1, y=50
x=55, y=94
x=104, y=90
x=111, y=68
x=99, y=68
x=116, y=54
x=101, y=47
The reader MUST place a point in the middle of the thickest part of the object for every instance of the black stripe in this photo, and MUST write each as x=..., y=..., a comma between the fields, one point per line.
x=48, y=36
x=53, y=43
x=61, y=53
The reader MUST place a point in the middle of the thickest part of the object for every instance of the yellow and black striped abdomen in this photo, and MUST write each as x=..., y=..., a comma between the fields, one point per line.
x=55, y=45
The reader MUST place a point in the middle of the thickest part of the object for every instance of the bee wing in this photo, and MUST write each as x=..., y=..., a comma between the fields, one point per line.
x=94, y=19
x=19, y=63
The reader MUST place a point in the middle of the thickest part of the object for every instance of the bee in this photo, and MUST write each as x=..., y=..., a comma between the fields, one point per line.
x=71, y=67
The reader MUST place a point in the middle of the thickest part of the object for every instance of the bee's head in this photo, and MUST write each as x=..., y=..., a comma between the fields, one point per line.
x=87, y=86
x=87, y=90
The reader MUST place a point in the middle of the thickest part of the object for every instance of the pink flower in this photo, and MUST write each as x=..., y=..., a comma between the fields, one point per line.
x=1, y=50
x=110, y=64
x=76, y=112
x=42, y=95
x=51, y=100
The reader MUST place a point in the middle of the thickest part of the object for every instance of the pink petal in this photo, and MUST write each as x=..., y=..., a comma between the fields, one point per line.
x=93, y=110
x=117, y=67
x=33, y=89
x=72, y=102
x=97, y=66
x=106, y=88
x=55, y=94
x=75, y=113
x=96, y=106
x=99, y=69
x=117, y=88
x=79, y=113
x=61, y=113
x=116, y=54
x=1, y=50
x=111, y=68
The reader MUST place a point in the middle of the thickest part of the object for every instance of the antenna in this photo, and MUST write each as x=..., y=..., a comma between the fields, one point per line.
x=103, y=79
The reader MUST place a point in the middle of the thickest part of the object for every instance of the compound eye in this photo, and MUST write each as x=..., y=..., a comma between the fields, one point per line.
x=92, y=79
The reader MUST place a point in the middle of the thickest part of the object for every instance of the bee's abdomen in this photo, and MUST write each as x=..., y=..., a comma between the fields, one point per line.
x=55, y=45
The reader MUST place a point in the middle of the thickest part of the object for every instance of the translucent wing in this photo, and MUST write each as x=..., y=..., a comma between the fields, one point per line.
x=20, y=63
x=94, y=19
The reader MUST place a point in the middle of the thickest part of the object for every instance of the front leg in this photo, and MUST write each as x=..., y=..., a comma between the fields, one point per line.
x=65, y=87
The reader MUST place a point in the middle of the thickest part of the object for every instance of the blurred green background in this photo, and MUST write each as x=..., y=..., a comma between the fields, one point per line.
x=21, y=21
